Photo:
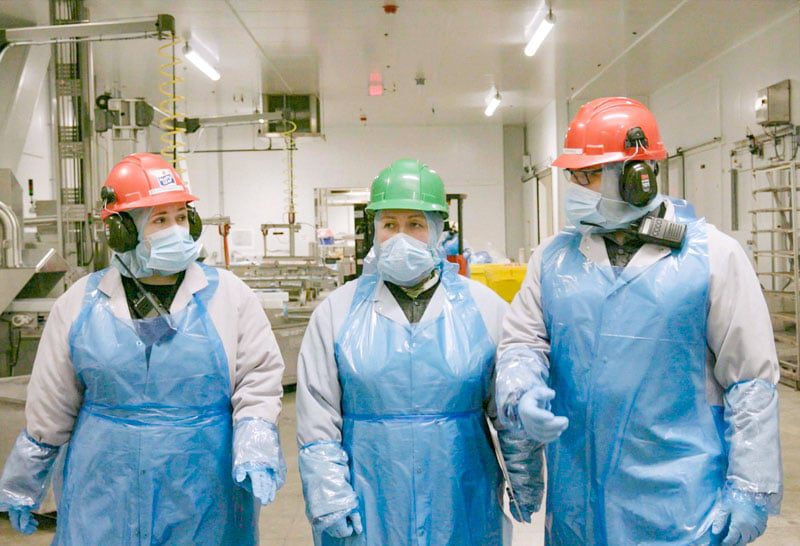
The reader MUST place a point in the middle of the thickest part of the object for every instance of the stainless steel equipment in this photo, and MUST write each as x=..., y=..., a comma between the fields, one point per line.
x=302, y=278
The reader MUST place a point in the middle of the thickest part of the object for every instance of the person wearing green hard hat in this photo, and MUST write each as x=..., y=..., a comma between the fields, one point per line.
x=395, y=376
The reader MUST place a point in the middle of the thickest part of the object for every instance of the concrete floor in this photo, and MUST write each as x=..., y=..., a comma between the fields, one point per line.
x=284, y=522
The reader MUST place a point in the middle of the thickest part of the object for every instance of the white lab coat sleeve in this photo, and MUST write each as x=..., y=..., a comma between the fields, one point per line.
x=522, y=459
x=257, y=388
x=322, y=460
x=739, y=328
x=523, y=353
x=319, y=394
x=524, y=325
x=55, y=394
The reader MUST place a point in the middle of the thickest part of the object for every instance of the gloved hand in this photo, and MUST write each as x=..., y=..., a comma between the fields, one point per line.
x=538, y=422
x=345, y=526
x=262, y=484
x=520, y=514
x=22, y=520
x=739, y=522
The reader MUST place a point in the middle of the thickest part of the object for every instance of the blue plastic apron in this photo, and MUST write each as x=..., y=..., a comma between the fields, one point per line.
x=149, y=461
x=413, y=400
x=643, y=458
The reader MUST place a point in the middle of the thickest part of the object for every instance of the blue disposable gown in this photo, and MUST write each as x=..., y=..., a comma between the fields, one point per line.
x=149, y=461
x=644, y=459
x=414, y=429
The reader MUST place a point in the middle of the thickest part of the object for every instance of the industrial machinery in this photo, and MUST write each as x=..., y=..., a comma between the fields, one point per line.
x=772, y=161
x=32, y=265
x=344, y=210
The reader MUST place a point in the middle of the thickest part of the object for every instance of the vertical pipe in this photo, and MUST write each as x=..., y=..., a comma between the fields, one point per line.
x=683, y=175
x=460, y=207
x=734, y=200
x=795, y=212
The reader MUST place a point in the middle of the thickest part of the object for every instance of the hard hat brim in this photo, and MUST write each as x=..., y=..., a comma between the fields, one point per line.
x=407, y=204
x=149, y=201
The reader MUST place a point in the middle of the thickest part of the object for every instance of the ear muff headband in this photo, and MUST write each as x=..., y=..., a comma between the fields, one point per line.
x=637, y=183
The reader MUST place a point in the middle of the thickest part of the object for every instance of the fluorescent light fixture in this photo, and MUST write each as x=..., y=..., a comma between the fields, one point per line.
x=494, y=102
x=204, y=66
x=544, y=28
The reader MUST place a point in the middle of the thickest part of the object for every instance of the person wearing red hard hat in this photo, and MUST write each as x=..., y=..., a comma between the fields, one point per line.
x=165, y=378
x=640, y=348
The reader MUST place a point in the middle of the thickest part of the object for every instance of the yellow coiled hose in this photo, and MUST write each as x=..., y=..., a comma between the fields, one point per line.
x=169, y=104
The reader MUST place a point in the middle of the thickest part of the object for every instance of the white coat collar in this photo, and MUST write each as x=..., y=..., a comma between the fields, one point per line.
x=386, y=304
x=594, y=248
x=111, y=285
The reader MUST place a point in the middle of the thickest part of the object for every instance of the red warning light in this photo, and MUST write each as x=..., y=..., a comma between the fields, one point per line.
x=375, y=84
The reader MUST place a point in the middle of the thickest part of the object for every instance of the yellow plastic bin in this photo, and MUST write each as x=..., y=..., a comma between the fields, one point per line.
x=477, y=272
x=505, y=279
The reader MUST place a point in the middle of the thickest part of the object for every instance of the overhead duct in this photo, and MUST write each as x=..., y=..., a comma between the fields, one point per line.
x=302, y=110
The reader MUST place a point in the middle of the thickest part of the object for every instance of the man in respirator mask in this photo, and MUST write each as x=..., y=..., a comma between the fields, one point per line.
x=394, y=385
x=640, y=347
x=165, y=378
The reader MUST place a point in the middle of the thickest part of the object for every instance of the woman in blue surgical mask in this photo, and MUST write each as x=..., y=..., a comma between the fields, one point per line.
x=165, y=378
x=394, y=382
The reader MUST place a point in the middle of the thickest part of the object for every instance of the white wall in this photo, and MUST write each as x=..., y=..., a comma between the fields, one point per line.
x=513, y=150
x=542, y=216
x=469, y=158
x=36, y=160
x=717, y=100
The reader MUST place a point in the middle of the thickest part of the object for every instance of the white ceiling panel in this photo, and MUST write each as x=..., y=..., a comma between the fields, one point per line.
x=462, y=47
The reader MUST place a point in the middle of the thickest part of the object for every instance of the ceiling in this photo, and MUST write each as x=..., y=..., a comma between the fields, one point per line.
x=462, y=47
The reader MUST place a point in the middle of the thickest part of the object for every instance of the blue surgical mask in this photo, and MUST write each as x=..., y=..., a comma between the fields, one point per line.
x=405, y=261
x=588, y=210
x=168, y=251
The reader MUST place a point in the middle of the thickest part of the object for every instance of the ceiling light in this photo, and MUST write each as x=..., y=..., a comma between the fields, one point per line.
x=204, y=66
x=494, y=102
x=544, y=28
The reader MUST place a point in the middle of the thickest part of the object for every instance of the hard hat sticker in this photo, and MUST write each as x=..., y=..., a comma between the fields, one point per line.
x=164, y=177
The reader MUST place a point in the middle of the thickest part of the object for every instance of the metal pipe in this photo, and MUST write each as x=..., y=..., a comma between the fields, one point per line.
x=97, y=29
x=460, y=212
x=12, y=237
x=40, y=220
x=681, y=151
x=683, y=176
x=231, y=150
x=58, y=173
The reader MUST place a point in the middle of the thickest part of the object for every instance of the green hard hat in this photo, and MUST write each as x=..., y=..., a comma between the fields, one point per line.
x=408, y=184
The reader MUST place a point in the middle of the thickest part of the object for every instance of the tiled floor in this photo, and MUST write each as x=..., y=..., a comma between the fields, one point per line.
x=284, y=523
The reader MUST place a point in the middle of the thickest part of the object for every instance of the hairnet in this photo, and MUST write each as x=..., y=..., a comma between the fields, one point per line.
x=435, y=229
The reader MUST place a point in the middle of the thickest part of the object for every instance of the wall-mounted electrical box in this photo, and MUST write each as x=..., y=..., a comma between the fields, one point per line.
x=773, y=104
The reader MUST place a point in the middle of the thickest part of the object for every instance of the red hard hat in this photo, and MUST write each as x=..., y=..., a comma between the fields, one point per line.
x=603, y=131
x=142, y=180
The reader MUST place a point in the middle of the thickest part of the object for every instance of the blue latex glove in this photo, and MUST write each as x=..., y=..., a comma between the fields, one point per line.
x=346, y=526
x=539, y=423
x=22, y=520
x=739, y=522
x=262, y=484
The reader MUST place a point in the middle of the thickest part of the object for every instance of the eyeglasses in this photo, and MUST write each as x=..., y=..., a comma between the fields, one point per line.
x=583, y=177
